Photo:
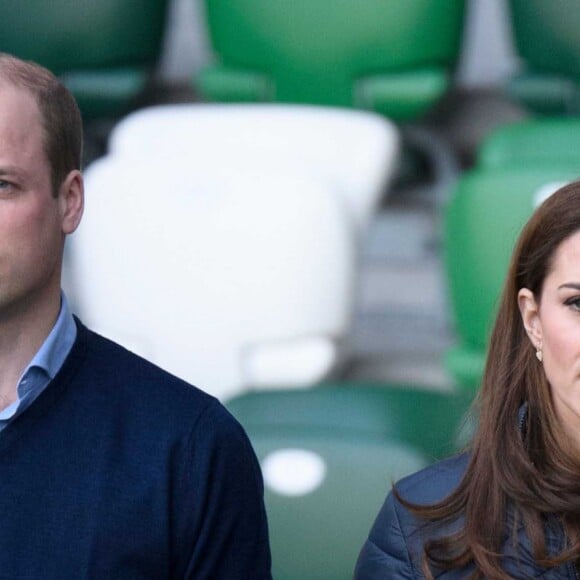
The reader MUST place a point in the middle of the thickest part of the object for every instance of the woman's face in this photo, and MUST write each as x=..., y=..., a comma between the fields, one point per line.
x=553, y=325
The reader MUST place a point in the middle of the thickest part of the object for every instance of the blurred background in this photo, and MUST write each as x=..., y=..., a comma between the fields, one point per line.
x=306, y=208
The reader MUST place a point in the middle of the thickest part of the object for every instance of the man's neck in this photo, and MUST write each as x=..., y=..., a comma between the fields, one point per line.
x=21, y=336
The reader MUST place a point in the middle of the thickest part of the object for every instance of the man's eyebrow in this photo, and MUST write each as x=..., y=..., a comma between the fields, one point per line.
x=571, y=285
x=10, y=170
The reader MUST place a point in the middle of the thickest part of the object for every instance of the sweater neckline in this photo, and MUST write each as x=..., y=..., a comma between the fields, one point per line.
x=43, y=403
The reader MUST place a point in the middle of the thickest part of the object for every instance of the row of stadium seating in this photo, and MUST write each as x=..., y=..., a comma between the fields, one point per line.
x=391, y=57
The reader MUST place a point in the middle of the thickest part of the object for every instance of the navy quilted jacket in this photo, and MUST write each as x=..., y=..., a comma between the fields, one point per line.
x=394, y=547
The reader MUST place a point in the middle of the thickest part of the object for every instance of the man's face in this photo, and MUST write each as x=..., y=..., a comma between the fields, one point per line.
x=31, y=218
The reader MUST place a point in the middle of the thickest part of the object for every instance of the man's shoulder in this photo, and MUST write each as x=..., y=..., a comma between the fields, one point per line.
x=126, y=379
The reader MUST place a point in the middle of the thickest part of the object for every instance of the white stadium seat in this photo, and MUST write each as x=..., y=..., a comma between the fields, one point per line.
x=354, y=152
x=229, y=279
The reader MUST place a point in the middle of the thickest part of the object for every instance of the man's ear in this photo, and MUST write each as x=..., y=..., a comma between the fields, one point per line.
x=529, y=310
x=71, y=199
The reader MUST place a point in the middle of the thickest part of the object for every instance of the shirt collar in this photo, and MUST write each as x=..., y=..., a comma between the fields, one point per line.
x=45, y=364
x=58, y=343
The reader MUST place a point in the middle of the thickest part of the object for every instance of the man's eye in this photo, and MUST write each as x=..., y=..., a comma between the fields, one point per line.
x=6, y=186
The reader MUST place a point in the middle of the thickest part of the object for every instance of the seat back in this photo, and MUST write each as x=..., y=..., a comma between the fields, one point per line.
x=223, y=276
x=355, y=152
x=547, y=41
x=328, y=462
x=427, y=420
x=317, y=51
x=66, y=35
x=483, y=220
x=546, y=34
x=104, y=51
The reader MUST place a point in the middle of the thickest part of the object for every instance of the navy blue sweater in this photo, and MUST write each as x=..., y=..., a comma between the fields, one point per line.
x=121, y=471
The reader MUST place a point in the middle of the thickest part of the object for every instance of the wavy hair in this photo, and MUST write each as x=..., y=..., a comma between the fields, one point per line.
x=530, y=469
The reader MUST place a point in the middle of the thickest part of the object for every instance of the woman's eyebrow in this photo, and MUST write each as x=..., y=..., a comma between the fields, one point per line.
x=572, y=285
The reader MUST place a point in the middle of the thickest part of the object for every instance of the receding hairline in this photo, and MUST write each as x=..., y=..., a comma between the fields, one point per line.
x=7, y=82
x=58, y=111
x=27, y=76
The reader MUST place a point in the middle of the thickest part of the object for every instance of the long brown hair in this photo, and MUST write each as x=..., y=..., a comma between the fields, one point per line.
x=530, y=469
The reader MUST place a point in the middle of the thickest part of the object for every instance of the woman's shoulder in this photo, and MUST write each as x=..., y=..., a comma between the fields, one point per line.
x=434, y=482
x=395, y=542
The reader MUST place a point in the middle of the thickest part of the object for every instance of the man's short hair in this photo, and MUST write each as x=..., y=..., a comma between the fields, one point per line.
x=60, y=114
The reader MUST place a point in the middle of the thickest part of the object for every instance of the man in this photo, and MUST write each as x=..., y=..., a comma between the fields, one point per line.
x=109, y=467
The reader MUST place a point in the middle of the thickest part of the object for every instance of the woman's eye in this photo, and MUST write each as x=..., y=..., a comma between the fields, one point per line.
x=574, y=303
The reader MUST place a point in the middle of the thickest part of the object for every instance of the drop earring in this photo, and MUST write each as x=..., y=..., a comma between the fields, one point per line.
x=539, y=353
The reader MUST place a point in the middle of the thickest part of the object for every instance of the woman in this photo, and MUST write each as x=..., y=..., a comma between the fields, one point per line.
x=510, y=506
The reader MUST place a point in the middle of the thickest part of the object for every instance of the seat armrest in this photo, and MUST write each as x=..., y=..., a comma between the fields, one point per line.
x=302, y=361
x=546, y=94
x=224, y=84
x=401, y=96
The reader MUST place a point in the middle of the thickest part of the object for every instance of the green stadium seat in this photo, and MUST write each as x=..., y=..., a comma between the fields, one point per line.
x=547, y=40
x=483, y=220
x=392, y=57
x=105, y=51
x=329, y=455
x=393, y=412
x=527, y=144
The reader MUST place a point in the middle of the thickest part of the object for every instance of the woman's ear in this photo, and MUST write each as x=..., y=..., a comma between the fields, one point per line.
x=71, y=200
x=529, y=310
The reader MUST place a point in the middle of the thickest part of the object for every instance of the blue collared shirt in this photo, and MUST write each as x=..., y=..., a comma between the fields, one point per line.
x=44, y=365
